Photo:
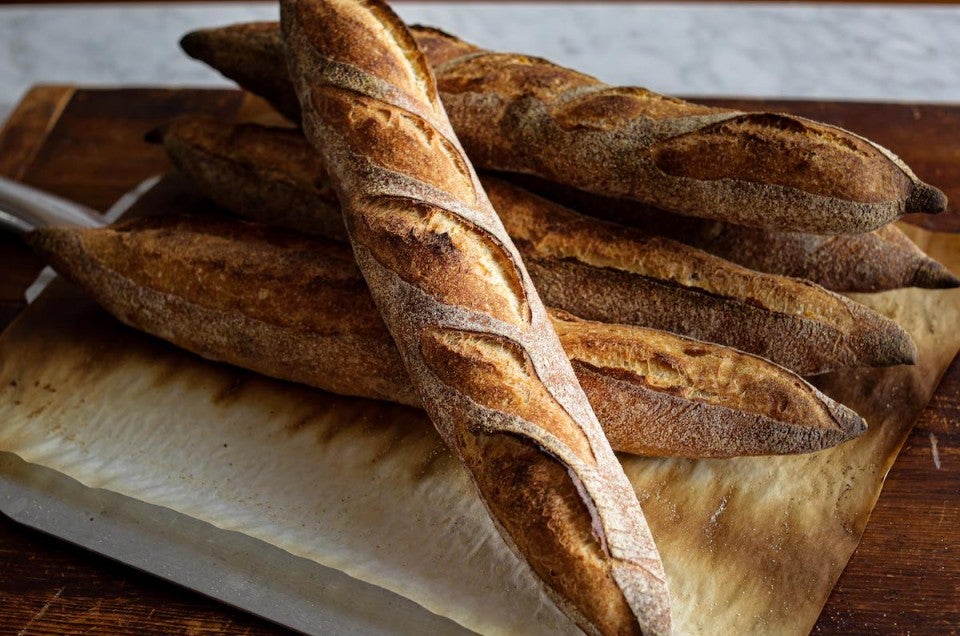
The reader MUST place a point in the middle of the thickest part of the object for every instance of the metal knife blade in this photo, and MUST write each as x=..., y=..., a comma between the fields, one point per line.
x=24, y=208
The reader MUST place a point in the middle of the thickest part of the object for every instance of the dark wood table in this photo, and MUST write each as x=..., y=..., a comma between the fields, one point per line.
x=87, y=145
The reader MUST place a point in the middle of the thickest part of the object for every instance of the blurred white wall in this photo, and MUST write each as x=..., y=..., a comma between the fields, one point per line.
x=827, y=51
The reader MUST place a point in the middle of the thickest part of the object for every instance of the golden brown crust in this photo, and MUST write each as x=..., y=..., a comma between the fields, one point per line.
x=417, y=240
x=298, y=309
x=874, y=261
x=444, y=272
x=468, y=361
x=783, y=151
x=869, y=262
x=808, y=346
x=546, y=517
x=437, y=50
x=655, y=282
x=594, y=270
x=657, y=394
x=287, y=306
x=272, y=176
x=522, y=114
x=251, y=54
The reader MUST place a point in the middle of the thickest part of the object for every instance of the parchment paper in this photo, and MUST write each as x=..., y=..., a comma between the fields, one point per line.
x=750, y=545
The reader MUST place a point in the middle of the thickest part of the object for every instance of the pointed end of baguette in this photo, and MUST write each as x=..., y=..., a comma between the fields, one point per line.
x=932, y=275
x=926, y=199
x=196, y=44
x=40, y=240
x=902, y=349
x=156, y=135
x=899, y=349
x=59, y=247
x=881, y=342
x=851, y=425
x=44, y=239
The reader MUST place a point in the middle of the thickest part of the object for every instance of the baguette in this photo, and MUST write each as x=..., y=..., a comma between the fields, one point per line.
x=296, y=308
x=471, y=330
x=252, y=55
x=521, y=114
x=591, y=269
x=869, y=262
x=876, y=261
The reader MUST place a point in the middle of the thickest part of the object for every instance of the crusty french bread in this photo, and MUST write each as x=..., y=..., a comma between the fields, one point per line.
x=522, y=114
x=278, y=303
x=297, y=308
x=614, y=274
x=868, y=262
x=875, y=261
x=252, y=55
x=707, y=400
x=470, y=328
x=265, y=174
x=589, y=268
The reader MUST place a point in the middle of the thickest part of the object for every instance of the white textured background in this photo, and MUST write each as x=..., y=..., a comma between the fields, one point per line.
x=850, y=52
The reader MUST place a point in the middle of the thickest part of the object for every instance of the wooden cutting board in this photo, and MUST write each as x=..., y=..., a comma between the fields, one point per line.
x=85, y=145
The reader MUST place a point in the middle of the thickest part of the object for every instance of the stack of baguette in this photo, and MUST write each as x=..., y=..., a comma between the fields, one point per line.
x=835, y=257
x=590, y=268
x=686, y=318
x=296, y=307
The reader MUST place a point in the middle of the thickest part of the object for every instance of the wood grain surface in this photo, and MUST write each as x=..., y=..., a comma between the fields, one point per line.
x=87, y=145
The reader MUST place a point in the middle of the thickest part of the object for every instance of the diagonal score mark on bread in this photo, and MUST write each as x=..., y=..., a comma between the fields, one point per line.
x=467, y=360
x=610, y=107
x=518, y=113
x=663, y=363
x=417, y=150
x=345, y=45
x=247, y=170
x=787, y=159
x=379, y=45
x=571, y=95
x=484, y=70
x=575, y=101
x=845, y=184
x=416, y=239
x=539, y=493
